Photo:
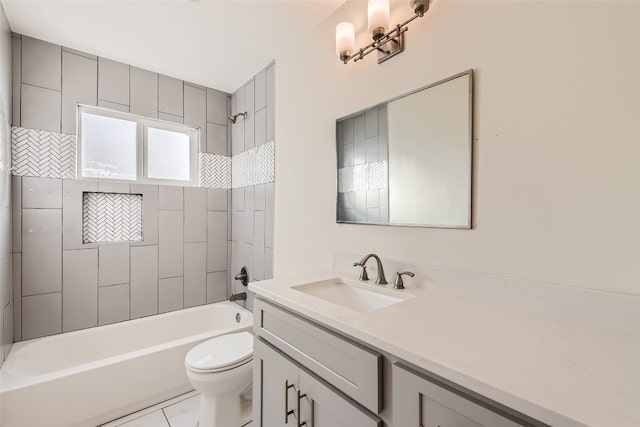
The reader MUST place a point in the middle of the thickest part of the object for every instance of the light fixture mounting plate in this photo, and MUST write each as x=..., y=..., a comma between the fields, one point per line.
x=392, y=48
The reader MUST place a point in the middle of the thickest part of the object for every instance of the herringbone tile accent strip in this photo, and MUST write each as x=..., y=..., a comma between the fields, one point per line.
x=42, y=153
x=254, y=166
x=215, y=171
x=111, y=217
x=369, y=176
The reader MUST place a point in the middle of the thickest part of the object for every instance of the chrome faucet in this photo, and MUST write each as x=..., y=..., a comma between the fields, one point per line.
x=381, y=280
x=238, y=297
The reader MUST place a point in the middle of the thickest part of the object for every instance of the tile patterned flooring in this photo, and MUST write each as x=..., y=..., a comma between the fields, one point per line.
x=181, y=411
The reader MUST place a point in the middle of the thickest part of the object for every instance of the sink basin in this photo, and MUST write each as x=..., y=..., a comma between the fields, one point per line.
x=363, y=298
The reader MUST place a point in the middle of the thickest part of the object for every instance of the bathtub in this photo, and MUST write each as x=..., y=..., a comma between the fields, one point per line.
x=88, y=377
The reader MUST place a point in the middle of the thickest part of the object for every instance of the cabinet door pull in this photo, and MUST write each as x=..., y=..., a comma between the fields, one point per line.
x=300, y=397
x=287, y=411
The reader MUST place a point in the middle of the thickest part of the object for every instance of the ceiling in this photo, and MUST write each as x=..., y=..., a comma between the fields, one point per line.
x=219, y=44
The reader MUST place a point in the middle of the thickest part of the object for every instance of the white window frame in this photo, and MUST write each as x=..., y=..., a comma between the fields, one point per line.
x=142, y=124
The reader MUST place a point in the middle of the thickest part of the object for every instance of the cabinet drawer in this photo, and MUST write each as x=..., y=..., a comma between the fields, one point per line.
x=421, y=401
x=349, y=367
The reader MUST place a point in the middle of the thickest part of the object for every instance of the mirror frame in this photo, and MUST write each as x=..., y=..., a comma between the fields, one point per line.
x=470, y=223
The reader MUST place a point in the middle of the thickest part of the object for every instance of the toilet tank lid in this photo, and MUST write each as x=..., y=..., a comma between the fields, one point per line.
x=219, y=352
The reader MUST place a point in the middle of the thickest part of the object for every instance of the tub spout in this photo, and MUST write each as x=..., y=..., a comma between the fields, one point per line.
x=237, y=297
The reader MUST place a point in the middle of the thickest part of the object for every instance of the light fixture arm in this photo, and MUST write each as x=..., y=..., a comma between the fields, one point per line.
x=395, y=36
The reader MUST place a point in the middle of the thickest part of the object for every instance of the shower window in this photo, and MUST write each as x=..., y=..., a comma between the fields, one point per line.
x=119, y=146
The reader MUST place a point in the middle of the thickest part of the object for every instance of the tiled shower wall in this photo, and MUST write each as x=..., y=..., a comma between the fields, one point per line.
x=252, y=195
x=6, y=296
x=62, y=284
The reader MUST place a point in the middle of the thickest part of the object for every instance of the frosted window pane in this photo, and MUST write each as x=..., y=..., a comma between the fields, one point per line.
x=109, y=148
x=169, y=155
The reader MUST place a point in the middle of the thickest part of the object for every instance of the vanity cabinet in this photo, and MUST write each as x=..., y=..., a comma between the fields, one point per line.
x=423, y=401
x=286, y=395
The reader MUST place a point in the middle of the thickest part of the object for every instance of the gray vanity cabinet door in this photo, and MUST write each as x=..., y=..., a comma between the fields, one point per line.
x=275, y=381
x=421, y=402
x=321, y=406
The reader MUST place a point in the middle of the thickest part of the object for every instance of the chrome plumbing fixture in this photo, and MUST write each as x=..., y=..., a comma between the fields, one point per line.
x=399, y=283
x=234, y=118
x=381, y=280
x=243, y=276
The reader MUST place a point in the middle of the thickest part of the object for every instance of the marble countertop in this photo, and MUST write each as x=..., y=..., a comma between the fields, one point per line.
x=558, y=372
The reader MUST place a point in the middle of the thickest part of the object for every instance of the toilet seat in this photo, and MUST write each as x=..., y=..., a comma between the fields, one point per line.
x=221, y=353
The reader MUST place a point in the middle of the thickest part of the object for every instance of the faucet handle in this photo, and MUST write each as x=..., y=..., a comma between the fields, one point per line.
x=399, y=284
x=363, y=274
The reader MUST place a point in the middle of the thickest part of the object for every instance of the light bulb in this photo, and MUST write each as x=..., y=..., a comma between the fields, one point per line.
x=378, y=18
x=345, y=40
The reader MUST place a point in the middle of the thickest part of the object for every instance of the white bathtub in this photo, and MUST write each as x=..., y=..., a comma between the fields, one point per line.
x=92, y=376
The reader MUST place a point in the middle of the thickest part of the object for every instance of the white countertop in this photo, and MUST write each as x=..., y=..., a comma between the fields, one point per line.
x=555, y=371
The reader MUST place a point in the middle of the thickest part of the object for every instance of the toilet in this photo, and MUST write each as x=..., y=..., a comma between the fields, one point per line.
x=221, y=370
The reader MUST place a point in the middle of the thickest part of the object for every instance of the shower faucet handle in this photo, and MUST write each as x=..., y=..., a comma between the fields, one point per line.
x=243, y=276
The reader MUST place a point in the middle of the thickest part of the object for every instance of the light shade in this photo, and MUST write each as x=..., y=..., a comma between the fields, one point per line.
x=378, y=17
x=345, y=40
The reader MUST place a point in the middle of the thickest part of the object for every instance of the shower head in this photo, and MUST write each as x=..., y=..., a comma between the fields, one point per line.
x=235, y=117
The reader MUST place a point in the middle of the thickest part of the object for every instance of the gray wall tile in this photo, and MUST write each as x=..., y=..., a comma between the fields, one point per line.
x=80, y=290
x=114, y=263
x=113, y=304
x=384, y=205
x=170, y=117
x=258, y=245
x=271, y=103
x=261, y=127
x=372, y=149
x=216, y=241
x=144, y=281
x=259, y=201
x=371, y=123
x=217, y=199
x=217, y=107
x=170, y=294
x=195, y=214
x=40, y=108
x=113, y=106
x=113, y=81
x=237, y=199
x=268, y=263
x=216, y=139
x=216, y=286
x=41, y=193
x=41, y=63
x=195, y=111
x=79, y=52
x=144, y=92
x=269, y=216
x=149, y=212
x=361, y=206
x=261, y=90
x=359, y=128
x=16, y=259
x=72, y=206
x=16, y=70
x=171, y=244
x=195, y=274
x=79, y=85
x=373, y=199
x=7, y=330
x=41, y=251
x=16, y=213
x=113, y=187
x=41, y=315
x=249, y=121
x=170, y=95
x=170, y=197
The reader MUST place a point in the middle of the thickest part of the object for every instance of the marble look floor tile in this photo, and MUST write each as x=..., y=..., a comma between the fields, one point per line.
x=184, y=413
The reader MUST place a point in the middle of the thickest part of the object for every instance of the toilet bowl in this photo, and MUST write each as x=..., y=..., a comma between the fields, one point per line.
x=221, y=370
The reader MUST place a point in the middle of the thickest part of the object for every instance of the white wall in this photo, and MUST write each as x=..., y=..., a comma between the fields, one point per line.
x=557, y=175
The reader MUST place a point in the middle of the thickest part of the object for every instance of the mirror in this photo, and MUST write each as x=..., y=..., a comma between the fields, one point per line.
x=407, y=161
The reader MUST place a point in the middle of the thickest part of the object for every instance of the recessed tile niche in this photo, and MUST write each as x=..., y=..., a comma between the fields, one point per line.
x=111, y=217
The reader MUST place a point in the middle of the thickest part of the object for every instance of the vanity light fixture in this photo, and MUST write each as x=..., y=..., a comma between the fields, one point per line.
x=388, y=43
